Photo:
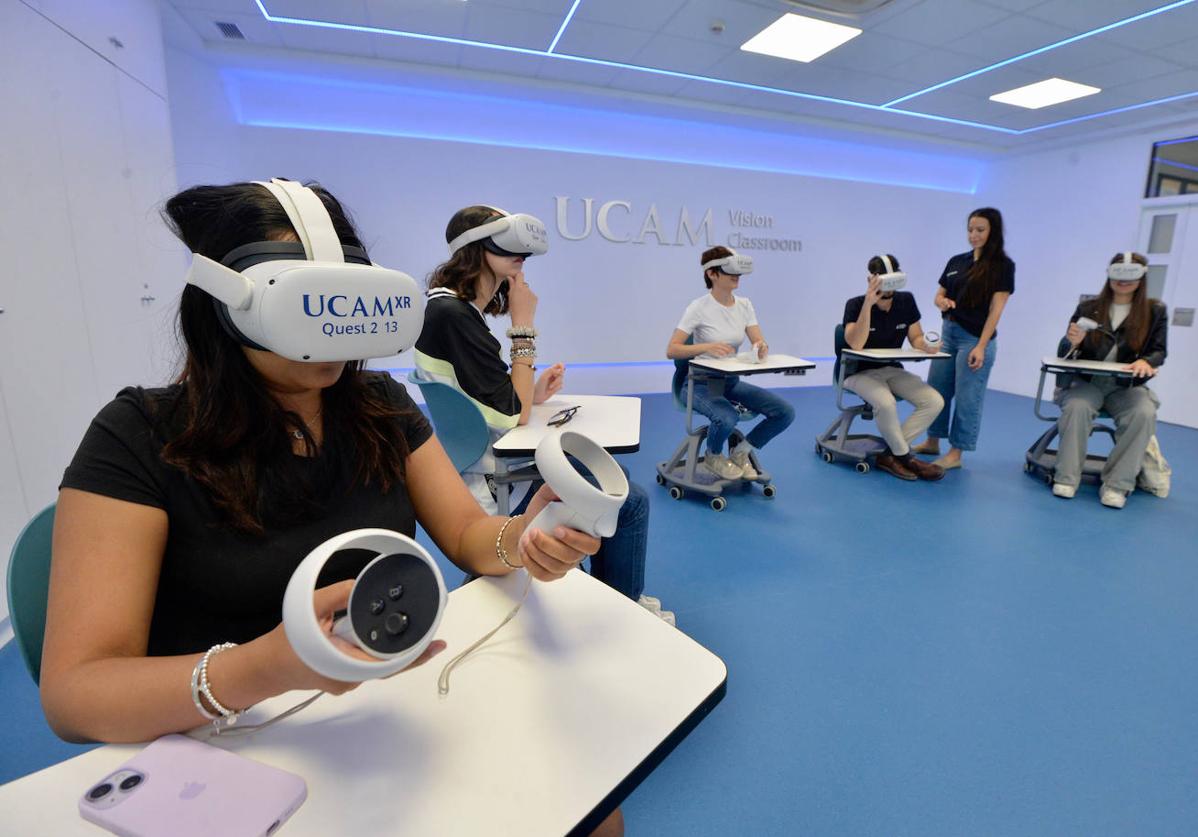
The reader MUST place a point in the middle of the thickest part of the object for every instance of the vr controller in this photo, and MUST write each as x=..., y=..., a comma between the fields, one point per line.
x=393, y=612
x=1086, y=324
x=582, y=506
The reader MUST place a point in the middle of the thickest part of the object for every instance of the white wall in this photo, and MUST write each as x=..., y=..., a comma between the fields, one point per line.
x=1067, y=211
x=86, y=154
x=601, y=301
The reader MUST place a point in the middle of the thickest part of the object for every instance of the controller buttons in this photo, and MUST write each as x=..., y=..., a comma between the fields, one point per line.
x=396, y=623
x=374, y=634
x=376, y=607
x=395, y=592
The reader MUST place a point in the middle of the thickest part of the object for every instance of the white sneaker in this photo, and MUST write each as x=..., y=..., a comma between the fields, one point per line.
x=722, y=467
x=1112, y=497
x=667, y=616
x=653, y=605
x=741, y=460
x=1059, y=489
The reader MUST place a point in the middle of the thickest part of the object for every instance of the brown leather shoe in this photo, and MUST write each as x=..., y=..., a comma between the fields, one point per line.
x=929, y=471
x=890, y=465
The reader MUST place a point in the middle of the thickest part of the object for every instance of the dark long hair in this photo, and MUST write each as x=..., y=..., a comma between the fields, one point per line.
x=465, y=267
x=983, y=275
x=1135, y=325
x=717, y=252
x=235, y=440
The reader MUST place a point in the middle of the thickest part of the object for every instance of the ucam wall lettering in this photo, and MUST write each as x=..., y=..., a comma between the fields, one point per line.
x=620, y=222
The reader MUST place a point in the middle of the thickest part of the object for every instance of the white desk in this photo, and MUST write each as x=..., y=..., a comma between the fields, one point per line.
x=547, y=728
x=612, y=421
x=786, y=364
x=893, y=354
x=1060, y=365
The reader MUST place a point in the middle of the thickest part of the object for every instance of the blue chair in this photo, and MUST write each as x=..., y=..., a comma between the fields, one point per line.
x=837, y=444
x=464, y=434
x=29, y=588
x=679, y=471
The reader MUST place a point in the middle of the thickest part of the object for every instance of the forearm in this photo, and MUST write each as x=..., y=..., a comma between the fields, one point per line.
x=997, y=303
x=128, y=699
x=476, y=547
x=857, y=333
x=523, y=382
x=685, y=351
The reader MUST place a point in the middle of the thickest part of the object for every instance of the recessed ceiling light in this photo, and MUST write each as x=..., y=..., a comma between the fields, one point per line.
x=1051, y=91
x=799, y=38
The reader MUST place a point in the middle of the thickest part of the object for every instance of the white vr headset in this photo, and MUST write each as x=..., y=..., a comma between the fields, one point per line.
x=312, y=300
x=736, y=264
x=1126, y=270
x=509, y=235
x=582, y=506
x=393, y=612
x=891, y=280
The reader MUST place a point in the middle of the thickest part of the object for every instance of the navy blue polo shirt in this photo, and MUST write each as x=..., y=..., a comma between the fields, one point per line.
x=953, y=280
x=887, y=329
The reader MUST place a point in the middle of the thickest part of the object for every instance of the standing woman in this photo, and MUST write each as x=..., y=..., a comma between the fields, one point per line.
x=973, y=292
x=717, y=323
x=1132, y=329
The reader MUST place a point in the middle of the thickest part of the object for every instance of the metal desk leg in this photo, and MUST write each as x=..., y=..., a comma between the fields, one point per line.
x=503, y=489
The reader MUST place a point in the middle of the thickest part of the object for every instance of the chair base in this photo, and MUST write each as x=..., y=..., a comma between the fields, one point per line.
x=836, y=444
x=1041, y=459
x=681, y=472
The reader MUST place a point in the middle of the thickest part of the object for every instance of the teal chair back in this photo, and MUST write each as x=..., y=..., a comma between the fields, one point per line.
x=29, y=588
x=460, y=425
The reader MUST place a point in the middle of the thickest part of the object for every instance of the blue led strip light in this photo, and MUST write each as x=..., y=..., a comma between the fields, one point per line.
x=1042, y=50
x=794, y=94
x=562, y=28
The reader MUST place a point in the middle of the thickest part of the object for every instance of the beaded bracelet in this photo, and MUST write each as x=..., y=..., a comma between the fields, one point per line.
x=522, y=331
x=200, y=686
x=500, y=552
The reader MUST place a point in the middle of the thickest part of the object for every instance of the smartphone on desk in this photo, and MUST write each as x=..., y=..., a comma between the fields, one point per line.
x=181, y=787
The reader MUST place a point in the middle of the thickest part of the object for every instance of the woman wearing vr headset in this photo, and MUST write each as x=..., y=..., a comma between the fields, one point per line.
x=885, y=319
x=186, y=508
x=485, y=276
x=717, y=323
x=974, y=289
x=1126, y=327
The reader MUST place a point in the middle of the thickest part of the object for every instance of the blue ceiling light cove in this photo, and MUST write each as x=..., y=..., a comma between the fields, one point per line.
x=888, y=107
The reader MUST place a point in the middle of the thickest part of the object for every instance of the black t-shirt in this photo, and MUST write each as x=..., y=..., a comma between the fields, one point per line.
x=218, y=584
x=954, y=279
x=887, y=329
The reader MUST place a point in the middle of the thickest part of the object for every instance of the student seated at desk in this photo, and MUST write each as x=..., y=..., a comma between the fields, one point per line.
x=718, y=322
x=457, y=348
x=1132, y=329
x=187, y=507
x=885, y=320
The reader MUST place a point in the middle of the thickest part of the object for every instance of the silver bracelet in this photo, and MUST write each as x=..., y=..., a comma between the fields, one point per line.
x=199, y=676
x=500, y=552
x=521, y=331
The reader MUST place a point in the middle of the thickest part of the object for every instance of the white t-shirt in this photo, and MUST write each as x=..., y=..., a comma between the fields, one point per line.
x=1119, y=312
x=710, y=322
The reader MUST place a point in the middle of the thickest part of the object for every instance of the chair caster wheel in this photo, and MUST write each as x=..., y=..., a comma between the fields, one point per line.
x=719, y=503
x=827, y=457
x=661, y=480
x=675, y=492
x=862, y=467
x=769, y=490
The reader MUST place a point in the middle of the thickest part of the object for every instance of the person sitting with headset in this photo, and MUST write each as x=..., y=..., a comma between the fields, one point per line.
x=484, y=276
x=717, y=323
x=1124, y=326
x=884, y=318
x=187, y=508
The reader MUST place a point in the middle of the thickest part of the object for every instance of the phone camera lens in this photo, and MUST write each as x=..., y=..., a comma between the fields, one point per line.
x=130, y=782
x=99, y=791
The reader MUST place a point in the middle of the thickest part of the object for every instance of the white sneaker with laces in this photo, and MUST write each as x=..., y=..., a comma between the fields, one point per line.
x=722, y=466
x=741, y=460
x=1059, y=489
x=1112, y=497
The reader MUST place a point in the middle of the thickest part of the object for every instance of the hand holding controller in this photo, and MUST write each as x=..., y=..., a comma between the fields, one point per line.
x=581, y=506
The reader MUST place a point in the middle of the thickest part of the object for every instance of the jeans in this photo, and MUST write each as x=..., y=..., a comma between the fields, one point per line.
x=952, y=377
x=620, y=561
x=1134, y=412
x=723, y=415
x=880, y=387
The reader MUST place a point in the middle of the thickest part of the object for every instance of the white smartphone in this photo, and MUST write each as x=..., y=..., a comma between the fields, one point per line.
x=181, y=787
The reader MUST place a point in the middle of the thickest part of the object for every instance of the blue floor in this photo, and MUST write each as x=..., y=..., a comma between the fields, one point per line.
x=967, y=657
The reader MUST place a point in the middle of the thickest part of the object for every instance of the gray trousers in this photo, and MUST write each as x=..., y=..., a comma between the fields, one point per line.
x=1134, y=412
x=881, y=388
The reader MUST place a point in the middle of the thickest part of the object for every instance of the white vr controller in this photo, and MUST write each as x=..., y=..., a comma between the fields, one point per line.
x=582, y=506
x=393, y=612
x=1086, y=324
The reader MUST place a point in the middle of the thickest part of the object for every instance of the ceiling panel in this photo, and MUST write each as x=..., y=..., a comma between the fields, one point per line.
x=681, y=54
x=531, y=30
x=630, y=13
x=429, y=17
x=576, y=72
x=337, y=41
x=1160, y=30
x=872, y=52
x=943, y=22
x=1012, y=36
x=603, y=40
x=741, y=22
x=413, y=51
x=342, y=11
x=1084, y=16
